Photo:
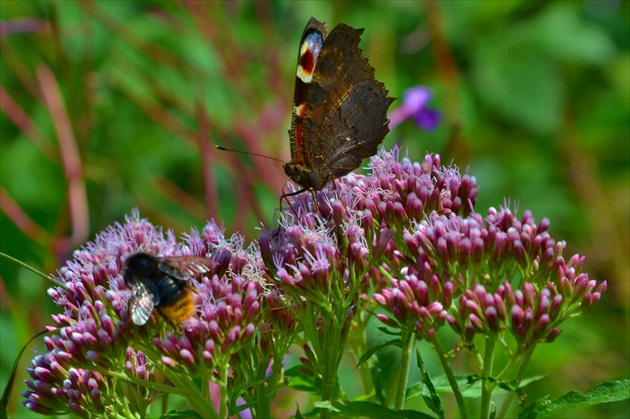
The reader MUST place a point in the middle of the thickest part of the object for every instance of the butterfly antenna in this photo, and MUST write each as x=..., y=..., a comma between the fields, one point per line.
x=247, y=152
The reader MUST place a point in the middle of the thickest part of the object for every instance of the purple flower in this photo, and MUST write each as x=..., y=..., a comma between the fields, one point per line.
x=55, y=389
x=407, y=233
x=223, y=326
x=94, y=332
x=416, y=306
x=509, y=274
x=415, y=101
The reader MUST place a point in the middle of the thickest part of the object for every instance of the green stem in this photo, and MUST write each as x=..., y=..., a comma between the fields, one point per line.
x=223, y=372
x=486, y=386
x=446, y=366
x=330, y=360
x=393, y=389
x=183, y=381
x=263, y=401
x=361, y=348
x=30, y=268
x=386, y=274
x=519, y=375
x=405, y=360
x=268, y=387
x=140, y=382
x=508, y=368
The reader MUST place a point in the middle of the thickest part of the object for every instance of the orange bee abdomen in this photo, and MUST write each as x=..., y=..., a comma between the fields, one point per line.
x=180, y=309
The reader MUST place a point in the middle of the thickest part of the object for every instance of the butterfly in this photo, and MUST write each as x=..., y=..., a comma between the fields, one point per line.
x=339, y=113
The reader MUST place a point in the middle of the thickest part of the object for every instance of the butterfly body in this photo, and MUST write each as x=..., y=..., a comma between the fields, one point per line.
x=339, y=115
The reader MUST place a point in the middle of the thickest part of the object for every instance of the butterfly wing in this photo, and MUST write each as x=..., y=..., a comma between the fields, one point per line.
x=310, y=47
x=340, y=112
x=346, y=119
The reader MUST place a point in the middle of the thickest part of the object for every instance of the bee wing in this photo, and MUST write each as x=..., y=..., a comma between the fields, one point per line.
x=185, y=267
x=142, y=302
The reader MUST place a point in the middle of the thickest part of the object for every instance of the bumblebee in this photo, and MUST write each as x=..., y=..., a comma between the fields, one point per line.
x=163, y=283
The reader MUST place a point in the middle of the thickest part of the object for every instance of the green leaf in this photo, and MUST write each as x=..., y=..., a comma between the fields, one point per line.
x=567, y=37
x=180, y=414
x=506, y=386
x=429, y=394
x=4, y=402
x=521, y=84
x=371, y=410
x=386, y=331
x=300, y=381
x=609, y=391
x=368, y=354
x=233, y=406
x=469, y=385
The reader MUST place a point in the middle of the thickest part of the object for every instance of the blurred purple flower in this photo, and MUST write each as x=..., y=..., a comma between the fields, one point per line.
x=415, y=102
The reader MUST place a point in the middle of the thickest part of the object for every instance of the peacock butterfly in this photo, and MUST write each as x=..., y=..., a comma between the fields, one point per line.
x=339, y=113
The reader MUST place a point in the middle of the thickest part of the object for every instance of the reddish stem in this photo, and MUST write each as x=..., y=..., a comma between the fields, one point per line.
x=69, y=153
x=21, y=219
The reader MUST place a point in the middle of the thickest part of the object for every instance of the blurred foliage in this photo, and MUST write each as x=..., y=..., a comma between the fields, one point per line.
x=107, y=106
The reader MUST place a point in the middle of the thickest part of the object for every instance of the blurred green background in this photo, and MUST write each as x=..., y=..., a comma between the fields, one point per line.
x=107, y=106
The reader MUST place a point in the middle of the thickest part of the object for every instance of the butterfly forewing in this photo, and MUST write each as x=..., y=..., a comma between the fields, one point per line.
x=340, y=111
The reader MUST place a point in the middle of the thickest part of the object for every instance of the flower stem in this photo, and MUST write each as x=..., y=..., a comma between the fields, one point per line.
x=183, y=381
x=403, y=377
x=486, y=387
x=223, y=371
x=361, y=348
x=330, y=360
x=446, y=366
x=517, y=379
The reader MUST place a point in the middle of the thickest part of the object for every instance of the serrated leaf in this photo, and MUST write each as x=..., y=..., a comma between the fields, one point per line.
x=429, y=394
x=368, y=354
x=607, y=392
x=375, y=410
x=470, y=385
x=303, y=382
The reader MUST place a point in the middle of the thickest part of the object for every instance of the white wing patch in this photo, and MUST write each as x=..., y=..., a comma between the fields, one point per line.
x=141, y=303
